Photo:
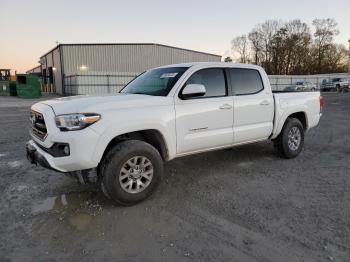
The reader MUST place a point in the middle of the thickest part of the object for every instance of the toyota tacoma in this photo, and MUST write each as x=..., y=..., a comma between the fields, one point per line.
x=121, y=141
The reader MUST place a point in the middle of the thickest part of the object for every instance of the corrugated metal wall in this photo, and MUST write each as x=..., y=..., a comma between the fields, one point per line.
x=126, y=57
x=57, y=71
x=113, y=59
x=52, y=59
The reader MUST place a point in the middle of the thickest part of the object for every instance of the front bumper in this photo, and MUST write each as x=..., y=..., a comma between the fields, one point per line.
x=80, y=157
x=36, y=157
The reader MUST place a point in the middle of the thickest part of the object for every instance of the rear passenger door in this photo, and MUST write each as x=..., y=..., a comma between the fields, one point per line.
x=253, y=106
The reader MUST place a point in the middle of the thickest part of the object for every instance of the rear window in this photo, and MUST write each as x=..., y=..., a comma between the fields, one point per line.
x=245, y=81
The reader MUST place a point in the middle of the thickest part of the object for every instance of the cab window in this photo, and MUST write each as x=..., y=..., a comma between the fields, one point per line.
x=245, y=81
x=213, y=80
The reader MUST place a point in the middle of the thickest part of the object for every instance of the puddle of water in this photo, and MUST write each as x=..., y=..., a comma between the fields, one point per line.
x=70, y=201
x=82, y=221
x=72, y=207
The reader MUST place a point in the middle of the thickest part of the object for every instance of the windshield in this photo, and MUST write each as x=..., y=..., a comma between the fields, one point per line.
x=155, y=82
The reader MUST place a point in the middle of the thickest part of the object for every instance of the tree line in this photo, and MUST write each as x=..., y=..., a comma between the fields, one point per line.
x=290, y=48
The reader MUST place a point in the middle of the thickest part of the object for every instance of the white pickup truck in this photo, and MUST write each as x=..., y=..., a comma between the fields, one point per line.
x=165, y=113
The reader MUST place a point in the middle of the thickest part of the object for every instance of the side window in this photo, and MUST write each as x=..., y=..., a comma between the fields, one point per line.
x=212, y=78
x=245, y=81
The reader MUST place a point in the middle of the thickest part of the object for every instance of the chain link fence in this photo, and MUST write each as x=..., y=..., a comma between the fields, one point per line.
x=280, y=82
x=96, y=83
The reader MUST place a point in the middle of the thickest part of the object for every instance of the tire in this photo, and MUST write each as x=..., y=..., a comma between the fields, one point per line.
x=286, y=146
x=337, y=88
x=125, y=167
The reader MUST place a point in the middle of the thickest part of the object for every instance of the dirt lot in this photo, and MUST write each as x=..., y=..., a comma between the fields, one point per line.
x=243, y=204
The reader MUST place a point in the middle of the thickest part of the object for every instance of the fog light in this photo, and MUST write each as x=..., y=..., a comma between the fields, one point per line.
x=66, y=150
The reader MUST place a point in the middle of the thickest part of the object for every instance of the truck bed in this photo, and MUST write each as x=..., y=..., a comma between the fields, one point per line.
x=287, y=103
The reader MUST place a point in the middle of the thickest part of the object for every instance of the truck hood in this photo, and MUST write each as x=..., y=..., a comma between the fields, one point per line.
x=99, y=104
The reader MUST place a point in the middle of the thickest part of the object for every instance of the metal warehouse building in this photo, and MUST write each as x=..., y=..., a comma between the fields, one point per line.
x=106, y=68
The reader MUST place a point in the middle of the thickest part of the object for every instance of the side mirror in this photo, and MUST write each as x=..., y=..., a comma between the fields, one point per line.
x=193, y=90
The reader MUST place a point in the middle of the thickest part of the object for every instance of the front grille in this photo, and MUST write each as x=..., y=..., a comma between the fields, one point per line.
x=38, y=127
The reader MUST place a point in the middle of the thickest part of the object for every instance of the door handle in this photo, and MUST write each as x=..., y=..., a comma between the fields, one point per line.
x=265, y=103
x=225, y=106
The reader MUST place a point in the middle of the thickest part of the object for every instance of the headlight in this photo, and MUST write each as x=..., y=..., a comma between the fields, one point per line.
x=76, y=121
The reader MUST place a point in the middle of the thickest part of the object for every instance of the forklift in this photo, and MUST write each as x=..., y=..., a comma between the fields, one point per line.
x=7, y=83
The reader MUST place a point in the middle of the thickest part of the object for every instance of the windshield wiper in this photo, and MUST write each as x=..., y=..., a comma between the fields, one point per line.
x=139, y=93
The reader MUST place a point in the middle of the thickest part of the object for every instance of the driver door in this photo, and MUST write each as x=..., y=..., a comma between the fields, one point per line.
x=205, y=122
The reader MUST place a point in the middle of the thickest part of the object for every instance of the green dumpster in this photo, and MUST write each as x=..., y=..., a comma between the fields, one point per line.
x=28, y=86
x=4, y=88
x=13, y=88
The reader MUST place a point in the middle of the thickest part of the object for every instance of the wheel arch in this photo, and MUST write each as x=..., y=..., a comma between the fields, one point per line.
x=152, y=136
x=299, y=114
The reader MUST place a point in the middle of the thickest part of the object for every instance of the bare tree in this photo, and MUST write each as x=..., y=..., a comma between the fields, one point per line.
x=335, y=58
x=255, y=39
x=261, y=38
x=325, y=30
x=290, y=48
x=241, y=46
x=267, y=31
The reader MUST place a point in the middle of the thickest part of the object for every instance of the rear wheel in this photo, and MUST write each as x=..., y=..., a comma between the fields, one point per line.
x=131, y=171
x=290, y=141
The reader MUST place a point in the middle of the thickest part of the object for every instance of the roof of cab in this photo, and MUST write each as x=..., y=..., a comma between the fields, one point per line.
x=213, y=64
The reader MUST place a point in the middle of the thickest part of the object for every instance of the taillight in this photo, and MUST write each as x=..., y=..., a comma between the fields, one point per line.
x=321, y=103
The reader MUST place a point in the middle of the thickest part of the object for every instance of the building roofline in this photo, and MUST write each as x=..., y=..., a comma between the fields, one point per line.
x=116, y=44
x=33, y=68
x=51, y=50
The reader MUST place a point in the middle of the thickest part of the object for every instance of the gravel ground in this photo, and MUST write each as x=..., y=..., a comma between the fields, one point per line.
x=243, y=204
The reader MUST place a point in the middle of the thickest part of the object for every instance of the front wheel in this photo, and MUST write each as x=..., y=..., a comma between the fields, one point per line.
x=130, y=172
x=290, y=141
x=338, y=88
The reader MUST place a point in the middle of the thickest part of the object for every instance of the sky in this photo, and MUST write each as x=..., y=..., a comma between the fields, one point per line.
x=30, y=28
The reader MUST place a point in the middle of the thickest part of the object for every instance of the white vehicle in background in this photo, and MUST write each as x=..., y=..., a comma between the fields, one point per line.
x=301, y=86
x=166, y=113
x=335, y=84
